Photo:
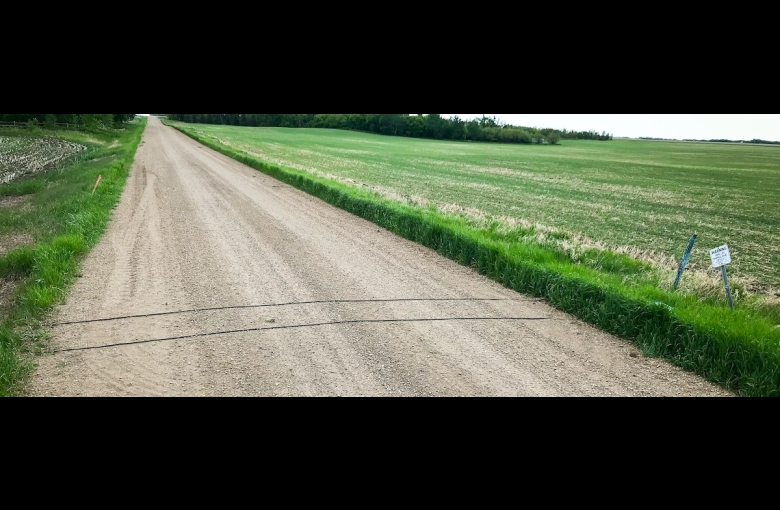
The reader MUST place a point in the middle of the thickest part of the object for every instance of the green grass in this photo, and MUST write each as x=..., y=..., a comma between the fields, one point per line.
x=622, y=295
x=64, y=222
x=22, y=187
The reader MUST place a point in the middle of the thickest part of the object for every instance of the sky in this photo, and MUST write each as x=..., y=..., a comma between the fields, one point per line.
x=679, y=126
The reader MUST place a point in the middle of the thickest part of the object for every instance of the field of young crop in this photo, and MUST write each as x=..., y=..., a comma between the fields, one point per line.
x=641, y=198
x=22, y=155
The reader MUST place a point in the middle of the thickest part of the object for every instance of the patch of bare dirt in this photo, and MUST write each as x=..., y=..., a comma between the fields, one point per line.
x=7, y=288
x=10, y=242
x=13, y=202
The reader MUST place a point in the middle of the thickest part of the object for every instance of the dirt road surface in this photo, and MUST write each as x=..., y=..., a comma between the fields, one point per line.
x=200, y=245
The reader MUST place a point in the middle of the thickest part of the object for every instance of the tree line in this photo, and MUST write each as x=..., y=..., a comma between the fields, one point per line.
x=722, y=140
x=87, y=120
x=432, y=125
x=714, y=140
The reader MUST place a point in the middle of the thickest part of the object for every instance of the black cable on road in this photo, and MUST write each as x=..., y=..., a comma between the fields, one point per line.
x=277, y=305
x=298, y=326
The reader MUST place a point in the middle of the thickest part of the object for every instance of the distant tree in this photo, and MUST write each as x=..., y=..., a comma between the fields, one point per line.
x=120, y=118
x=458, y=131
x=50, y=122
x=90, y=121
x=472, y=130
x=435, y=126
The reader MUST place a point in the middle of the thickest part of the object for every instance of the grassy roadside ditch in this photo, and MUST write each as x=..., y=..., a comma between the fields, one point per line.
x=59, y=221
x=738, y=349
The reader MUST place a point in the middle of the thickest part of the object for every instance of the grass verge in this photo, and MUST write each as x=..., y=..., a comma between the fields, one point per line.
x=738, y=349
x=65, y=221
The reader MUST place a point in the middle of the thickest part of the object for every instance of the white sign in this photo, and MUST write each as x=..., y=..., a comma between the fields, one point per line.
x=720, y=256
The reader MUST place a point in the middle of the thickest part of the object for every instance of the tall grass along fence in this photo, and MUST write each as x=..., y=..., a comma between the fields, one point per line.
x=20, y=125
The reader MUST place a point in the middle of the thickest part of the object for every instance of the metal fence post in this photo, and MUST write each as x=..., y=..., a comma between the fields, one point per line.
x=728, y=287
x=684, y=261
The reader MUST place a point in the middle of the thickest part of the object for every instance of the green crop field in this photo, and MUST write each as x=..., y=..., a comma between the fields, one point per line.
x=643, y=198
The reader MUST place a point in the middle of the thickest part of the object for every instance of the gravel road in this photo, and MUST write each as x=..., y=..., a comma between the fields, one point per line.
x=220, y=281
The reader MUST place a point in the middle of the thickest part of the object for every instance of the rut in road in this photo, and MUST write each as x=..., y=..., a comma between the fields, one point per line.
x=174, y=301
